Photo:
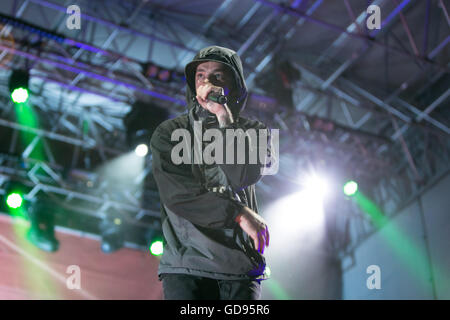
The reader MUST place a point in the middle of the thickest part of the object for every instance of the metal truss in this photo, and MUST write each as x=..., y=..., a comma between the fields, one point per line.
x=394, y=187
x=374, y=137
x=81, y=190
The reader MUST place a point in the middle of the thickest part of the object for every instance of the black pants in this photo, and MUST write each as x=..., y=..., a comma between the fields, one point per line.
x=187, y=287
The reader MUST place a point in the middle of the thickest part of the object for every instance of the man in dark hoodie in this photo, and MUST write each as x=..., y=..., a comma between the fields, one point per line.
x=214, y=239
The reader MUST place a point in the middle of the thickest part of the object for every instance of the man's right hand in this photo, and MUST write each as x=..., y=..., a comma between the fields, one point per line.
x=255, y=226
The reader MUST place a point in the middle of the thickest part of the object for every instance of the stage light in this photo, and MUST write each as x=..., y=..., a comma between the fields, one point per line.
x=299, y=213
x=154, y=239
x=156, y=248
x=152, y=71
x=316, y=186
x=155, y=72
x=304, y=208
x=141, y=150
x=112, y=236
x=350, y=188
x=322, y=124
x=19, y=95
x=18, y=86
x=41, y=240
x=164, y=75
x=42, y=230
x=111, y=244
x=14, y=200
x=141, y=122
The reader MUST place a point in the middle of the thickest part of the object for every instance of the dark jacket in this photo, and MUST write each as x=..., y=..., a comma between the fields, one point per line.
x=199, y=203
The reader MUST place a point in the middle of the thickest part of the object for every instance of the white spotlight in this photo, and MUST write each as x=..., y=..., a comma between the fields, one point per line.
x=141, y=150
x=316, y=186
x=296, y=217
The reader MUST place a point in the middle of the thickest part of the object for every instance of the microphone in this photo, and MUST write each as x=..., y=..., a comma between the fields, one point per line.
x=217, y=97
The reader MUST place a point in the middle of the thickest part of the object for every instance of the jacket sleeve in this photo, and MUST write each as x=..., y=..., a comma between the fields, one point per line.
x=180, y=191
x=240, y=175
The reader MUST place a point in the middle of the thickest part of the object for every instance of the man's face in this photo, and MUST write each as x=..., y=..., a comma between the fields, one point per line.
x=216, y=73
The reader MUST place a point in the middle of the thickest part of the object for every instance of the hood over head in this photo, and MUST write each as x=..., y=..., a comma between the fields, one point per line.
x=223, y=55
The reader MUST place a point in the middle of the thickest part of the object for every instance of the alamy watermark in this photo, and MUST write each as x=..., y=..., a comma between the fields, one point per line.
x=374, y=18
x=74, y=280
x=257, y=146
x=74, y=19
x=374, y=281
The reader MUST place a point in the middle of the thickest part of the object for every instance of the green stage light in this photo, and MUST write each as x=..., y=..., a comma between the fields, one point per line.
x=19, y=95
x=18, y=85
x=156, y=248
x=14, y=200
x=350, y=188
